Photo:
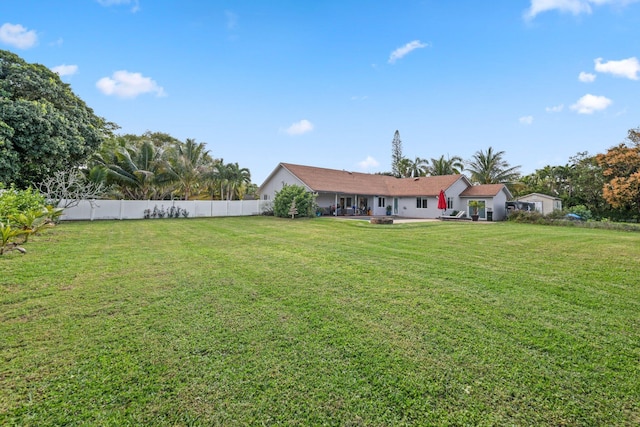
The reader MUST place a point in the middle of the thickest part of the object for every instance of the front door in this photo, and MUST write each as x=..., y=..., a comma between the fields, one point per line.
x=395, y=206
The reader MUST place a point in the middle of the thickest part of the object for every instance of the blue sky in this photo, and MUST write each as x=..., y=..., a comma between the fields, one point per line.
x=327, y=83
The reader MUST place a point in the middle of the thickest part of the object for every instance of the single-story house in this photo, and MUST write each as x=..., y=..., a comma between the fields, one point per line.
x=543, y=203
x=341, y=192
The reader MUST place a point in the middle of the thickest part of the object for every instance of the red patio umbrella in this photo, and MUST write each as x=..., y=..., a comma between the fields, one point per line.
x=442, y=201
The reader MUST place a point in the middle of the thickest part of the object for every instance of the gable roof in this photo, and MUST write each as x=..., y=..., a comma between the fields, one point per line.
x=485, y=190
x=341, y=181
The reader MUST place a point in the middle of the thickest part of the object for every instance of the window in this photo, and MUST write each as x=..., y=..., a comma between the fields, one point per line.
x=449, y=202
x=381, y=203
x=265, y=197
x=421, y=202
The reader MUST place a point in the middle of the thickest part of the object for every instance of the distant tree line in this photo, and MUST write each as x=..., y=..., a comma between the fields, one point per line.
x=157, y=166
x=606, y=185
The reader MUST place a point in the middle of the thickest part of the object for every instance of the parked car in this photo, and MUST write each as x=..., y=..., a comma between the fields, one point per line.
x=573, y=217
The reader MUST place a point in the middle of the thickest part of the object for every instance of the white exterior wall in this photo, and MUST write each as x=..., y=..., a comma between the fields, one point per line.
x=495, y=203
x=280, y=178
x=407, y=207
x=381, y=210
x=499, y=207
x=454, y=191
x=549, y=204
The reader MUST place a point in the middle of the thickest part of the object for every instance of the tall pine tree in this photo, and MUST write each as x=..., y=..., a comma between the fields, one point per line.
x=396, y=155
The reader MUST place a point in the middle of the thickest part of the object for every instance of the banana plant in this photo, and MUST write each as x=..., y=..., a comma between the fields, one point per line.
x=7, y=239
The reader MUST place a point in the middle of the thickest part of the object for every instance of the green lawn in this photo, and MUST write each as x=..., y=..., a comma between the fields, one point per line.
x=258, y=320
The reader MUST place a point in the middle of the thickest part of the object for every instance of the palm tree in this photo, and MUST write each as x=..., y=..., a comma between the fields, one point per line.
x=404, y=168
x=237, y=180
x=220, y=177
x=190, y=162
x=418, y=167
x=137, y=172
x=490, y=168
x=449, y=166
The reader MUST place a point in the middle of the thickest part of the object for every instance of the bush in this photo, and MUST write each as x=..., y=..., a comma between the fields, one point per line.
x=530, y=217
x=305, y=202
x=559, y=218
x=14, y=202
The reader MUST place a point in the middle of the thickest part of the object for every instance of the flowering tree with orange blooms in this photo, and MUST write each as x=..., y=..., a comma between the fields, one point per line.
x=621, y=169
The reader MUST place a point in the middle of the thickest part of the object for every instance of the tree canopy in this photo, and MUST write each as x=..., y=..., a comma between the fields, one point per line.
x=44, y=126
x=155, y=165
x=621, y=169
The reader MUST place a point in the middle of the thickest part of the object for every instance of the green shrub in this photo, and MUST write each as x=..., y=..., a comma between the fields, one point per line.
x=305, y=202
x=529, y=217
x=559, y=218
x=14, y=202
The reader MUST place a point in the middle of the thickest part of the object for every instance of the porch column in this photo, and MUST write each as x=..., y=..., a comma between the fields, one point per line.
x=335, y=212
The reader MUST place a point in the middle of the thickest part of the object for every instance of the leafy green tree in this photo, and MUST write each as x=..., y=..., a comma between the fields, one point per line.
x=44, y=126
x=449, y=166
x=551, y=180
x=586, y=183
x=489, y=167
x=290, y=194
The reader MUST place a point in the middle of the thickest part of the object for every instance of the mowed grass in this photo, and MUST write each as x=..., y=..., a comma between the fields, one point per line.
x=264, y=321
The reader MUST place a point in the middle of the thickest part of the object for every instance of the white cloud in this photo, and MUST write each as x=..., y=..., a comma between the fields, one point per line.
x=17, y=36
x=65, y=70
x=628, y=68
x=124, y=84
x=555, y=108
x=589, y=104
x=298, y=128
x=135, y=5
x=404, y=50
x=574, y=7
x=526, y=120
x=586, y=77
x=368, y=164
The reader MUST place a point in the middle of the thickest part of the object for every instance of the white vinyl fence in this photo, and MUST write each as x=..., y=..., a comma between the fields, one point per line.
x=135, y=209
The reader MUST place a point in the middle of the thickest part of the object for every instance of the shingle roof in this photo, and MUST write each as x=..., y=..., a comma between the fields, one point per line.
x=483, y=190
x=341, y=181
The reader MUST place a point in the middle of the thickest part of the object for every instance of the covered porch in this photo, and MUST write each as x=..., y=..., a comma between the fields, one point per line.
x=341, y=204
